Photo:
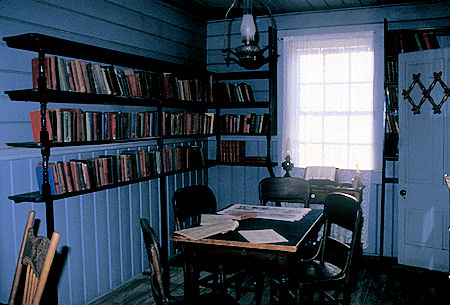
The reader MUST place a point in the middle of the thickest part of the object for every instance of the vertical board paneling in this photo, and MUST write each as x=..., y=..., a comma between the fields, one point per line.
x=114, y=238
x=135, y=230
x=125, y=234
x=90, y=280
x=102, y=238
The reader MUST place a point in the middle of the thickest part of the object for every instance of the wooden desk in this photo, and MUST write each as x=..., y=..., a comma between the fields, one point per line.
x=320, y=192
x=232, y=249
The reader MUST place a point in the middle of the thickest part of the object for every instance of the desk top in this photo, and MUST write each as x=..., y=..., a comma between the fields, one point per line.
x=295, y=232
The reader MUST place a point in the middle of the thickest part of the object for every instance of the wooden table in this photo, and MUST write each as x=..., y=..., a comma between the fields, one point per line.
x=232, y=249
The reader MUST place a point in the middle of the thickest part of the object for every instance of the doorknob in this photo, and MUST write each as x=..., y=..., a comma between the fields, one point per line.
x=402, y=192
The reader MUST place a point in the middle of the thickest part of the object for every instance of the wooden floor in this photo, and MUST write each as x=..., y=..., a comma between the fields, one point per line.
x=380, y=283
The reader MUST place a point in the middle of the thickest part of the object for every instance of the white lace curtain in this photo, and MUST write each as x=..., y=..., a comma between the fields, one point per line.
x=327, y=110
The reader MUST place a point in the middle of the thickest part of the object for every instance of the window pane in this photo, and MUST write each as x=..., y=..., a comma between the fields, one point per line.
x=361, y=129
x=362, y=66
x=336, y=98
x=311, y=128
x=311, y=68
x=335, y=129
x=361, y=155
x=336, y=67
x=336, y=155
x=311, y=98
x=362, y=97
x=311, y=154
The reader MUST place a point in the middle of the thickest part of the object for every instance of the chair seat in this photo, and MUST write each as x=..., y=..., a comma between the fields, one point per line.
x=311, y=272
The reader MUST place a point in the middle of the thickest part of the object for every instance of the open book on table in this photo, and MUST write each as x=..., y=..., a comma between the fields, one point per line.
x=322, y=174
x=210, y=225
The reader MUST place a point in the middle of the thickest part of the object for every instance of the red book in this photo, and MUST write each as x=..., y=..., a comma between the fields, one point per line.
x=85, y=76
x=426, y=38
x=75, y=175
x=35, y=72
x=35, y=118
x=62, y=176
x=68, y=176
x=75, y=75
x=70, y=76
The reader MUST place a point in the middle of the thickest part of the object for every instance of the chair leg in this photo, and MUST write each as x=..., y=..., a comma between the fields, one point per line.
x=259, y=287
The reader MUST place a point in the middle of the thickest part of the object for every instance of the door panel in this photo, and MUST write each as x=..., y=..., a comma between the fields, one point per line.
x=423, y=214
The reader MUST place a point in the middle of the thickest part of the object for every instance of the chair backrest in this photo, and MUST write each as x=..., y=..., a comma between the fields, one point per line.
x=160, y=295
x=190, y=202
x=284, y=189
x=342, y=210
x=35, y=258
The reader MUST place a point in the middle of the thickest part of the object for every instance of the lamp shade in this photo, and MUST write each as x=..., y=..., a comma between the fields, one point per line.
x=248, y=28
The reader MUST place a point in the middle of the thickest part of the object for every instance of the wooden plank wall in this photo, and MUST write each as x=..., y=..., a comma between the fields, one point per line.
x=100, y=232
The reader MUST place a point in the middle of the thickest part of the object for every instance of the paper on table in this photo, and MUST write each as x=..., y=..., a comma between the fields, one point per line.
x=267, y=212
x=264, y=236
x=208, y=230
x=209, y=219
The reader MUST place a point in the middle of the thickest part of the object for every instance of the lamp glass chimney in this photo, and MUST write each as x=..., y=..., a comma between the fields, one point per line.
x=248, y=28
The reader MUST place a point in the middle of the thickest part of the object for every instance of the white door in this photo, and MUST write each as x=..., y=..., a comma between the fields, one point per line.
x=423, y=215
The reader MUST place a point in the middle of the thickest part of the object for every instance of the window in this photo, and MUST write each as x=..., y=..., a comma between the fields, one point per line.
x=328, y=106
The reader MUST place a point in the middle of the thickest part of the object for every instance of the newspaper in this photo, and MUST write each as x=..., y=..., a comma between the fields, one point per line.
x=268, y=212
x=264, y=236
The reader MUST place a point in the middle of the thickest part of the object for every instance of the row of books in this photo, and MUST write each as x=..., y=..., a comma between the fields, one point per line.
x=245, y=123
x=391, y=71
x=75, y=125
x=187, y=123
x=81, y=76
x=410, y=41
x=231, y=151
x=392, y=122
x=234, y=93
x=391, y=93
x=79, y=175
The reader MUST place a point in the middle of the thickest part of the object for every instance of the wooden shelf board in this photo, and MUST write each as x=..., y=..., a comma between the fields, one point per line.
x=244, y=105
x=58, y=96
x=37, y=197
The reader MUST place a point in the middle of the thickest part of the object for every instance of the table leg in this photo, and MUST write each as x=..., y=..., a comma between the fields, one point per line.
x=191, y=287
x=284, y=291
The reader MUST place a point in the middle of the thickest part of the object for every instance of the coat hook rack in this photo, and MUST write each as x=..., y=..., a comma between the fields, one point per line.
x=426, y=93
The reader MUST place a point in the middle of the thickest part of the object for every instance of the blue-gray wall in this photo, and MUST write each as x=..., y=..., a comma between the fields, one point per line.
x=101, y=230
x=348, y=20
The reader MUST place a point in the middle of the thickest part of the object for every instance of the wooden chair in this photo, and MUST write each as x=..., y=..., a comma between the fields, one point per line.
x=330, y=269
x=161, y=294
x=284, y=189
x=189, y=203
x=36, y=256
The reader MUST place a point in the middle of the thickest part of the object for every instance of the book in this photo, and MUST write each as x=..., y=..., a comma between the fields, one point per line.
x=51, y=179
x=329, y=173
x=208, y=230
x=35, y=119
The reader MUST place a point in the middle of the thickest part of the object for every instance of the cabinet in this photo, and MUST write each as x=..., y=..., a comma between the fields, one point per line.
x=263, y=107
x=398, y=41
x=45, y=45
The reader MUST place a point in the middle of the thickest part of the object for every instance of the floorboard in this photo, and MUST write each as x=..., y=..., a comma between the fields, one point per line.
x=380, y=282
